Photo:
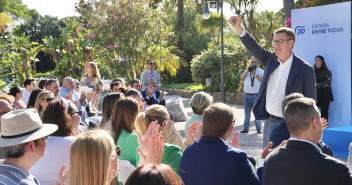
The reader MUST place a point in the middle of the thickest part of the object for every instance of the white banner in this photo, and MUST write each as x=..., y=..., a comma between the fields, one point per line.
x=326, y=31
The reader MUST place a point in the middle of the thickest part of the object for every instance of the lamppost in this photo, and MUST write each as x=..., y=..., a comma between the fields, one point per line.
x=206, y=15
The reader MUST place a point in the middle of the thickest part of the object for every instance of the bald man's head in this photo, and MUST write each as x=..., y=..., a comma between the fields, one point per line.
x=68, y=83
x=5, y=107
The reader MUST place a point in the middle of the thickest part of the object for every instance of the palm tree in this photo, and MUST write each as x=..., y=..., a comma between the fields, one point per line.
x=288, y=6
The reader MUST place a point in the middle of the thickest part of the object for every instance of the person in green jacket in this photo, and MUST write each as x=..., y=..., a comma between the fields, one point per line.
x=172, y=153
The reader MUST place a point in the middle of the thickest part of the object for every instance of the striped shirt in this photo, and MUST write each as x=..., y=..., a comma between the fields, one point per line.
x=14, y=175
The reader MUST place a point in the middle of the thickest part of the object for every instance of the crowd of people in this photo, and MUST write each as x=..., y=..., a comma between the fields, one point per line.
x=57, y=135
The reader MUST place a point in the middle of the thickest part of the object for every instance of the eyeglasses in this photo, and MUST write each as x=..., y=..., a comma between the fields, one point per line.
x=118, y=151
x=151, y=63
x=78, y=112
x=172, y=117
x=45, y=137
x=48, y=100
x=279, y=42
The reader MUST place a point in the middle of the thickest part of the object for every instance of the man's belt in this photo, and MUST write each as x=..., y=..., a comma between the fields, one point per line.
x=251, y=93
x=275, y=117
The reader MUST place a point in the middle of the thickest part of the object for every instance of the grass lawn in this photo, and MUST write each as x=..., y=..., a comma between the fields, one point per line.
x=187, y=86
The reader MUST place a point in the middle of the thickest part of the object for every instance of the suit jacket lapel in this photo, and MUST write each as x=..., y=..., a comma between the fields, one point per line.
x=293, y=73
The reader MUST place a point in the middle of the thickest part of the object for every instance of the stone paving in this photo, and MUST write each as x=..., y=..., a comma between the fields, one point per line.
x=251, y=142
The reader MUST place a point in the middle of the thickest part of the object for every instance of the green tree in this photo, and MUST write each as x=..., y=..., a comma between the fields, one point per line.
x=124, y=29
x=15, y=8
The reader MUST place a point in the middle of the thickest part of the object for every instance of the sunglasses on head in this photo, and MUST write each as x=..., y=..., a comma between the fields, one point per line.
x=118, y=151
x=49, y=99
x=172, y=117
x=78, y=112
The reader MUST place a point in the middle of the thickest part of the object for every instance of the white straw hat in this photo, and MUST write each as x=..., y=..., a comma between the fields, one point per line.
x=21, y=126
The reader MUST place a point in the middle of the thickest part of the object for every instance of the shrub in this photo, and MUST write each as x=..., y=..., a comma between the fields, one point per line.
x=208, y=65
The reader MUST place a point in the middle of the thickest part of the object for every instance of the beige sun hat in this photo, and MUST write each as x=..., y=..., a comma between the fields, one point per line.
x=21, y=126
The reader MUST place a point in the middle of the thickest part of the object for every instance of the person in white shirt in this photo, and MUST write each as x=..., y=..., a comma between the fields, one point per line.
x=252, y=78
x=285, y=73
x=29, y=86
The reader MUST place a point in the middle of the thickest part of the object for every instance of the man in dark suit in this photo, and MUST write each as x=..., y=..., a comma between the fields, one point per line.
x=212, y=160
x=301, y=161
x=152, y=95
x=284, y=74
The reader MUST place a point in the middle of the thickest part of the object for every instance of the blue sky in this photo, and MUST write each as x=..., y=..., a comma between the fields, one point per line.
x=64, y=8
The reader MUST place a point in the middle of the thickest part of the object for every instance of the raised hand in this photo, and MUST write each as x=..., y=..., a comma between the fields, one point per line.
x=193, y=133
x=235, y=22
x=235, y=142
x=62, y=177
x=146, y=142
x=267, y=149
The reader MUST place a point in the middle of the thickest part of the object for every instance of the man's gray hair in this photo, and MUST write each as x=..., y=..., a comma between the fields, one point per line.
x=15, y=151
x=200, y=101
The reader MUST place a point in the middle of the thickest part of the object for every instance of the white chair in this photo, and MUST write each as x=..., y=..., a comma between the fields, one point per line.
x=125, y=170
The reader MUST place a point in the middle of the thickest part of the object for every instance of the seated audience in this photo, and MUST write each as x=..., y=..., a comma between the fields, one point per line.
x=156, y=174
x=281, y=133
x=29, y=86
x=42, y=82
x=212, y=160
x=152, y=95
x=58, y=144
x=18, y=94
x=53, y=86
x=199, y=102
x=22, y=148
x=136, y=84
x=75, y=116
x=5, y=107
x=135, y=94
x=33, y=98
x=108, y=105
x=172, y=153
x=114, y=86
x=42, y=101
x=123, y=128
x=94, y=159
x=77, y=87
x=121, y=81
x=160, y=114
x=301, y=160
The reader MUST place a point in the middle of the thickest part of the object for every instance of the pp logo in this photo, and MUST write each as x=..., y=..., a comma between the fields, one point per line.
x=300, y=30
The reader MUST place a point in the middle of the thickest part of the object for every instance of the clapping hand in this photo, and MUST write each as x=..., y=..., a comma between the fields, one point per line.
x=193, y=132
x=235, y=142
x=152, y=145
x=63, y=177
x=267, y=149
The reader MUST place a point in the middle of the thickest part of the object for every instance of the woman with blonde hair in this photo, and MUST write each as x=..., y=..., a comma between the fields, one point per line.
x=159, y=113
x=92, y=80
x=108, y=104
x=43, y=99
x=172, y=153
x=94, y=159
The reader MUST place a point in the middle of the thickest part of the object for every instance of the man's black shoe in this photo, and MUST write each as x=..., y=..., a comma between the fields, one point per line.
x=259, y=132
x=244, y=131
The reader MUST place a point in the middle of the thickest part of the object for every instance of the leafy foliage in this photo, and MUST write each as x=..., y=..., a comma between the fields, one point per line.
x=127, y=30
x=208, y=65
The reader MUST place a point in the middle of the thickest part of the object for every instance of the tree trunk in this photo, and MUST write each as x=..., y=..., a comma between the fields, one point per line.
x=288, y=6
x=180, y=24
